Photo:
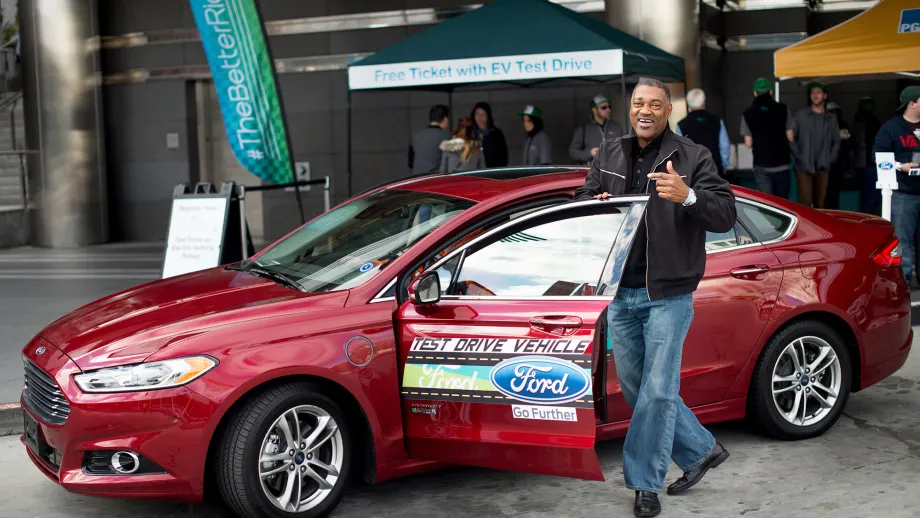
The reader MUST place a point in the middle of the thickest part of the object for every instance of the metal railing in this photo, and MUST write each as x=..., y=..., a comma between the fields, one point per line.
x=325, y=181
x=16, y=150
x=10, y=77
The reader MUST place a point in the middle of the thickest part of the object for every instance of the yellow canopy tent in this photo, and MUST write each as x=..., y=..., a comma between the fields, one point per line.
x=881, y=41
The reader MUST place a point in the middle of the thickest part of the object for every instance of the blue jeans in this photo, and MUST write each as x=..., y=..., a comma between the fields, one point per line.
x=777, y=184
x=647, y=339
x=905, y=214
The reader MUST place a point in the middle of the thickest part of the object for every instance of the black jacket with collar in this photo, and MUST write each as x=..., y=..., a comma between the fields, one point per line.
x=676, y=252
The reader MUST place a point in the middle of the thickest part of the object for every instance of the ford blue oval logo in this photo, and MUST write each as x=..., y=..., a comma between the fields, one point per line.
x=540, y=379
x=39, y=351
x=886, y=166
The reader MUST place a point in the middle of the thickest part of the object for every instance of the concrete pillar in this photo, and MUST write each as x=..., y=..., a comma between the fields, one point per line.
x=63, y=121
x=671, y=25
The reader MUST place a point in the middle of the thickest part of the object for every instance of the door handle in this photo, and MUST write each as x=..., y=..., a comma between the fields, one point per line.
x=556, y=325
x=560, y=321
x=749, y=271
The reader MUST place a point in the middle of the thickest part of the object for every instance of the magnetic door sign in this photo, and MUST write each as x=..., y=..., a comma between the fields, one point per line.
x=500, y=371
x=234, y=41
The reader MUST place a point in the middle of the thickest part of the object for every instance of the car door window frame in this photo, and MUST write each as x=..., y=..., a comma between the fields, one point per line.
x=626, y=202
x=537, y=206
x=793, y=223
x=525, y=207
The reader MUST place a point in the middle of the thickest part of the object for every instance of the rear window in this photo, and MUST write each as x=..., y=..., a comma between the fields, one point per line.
x=764, y=224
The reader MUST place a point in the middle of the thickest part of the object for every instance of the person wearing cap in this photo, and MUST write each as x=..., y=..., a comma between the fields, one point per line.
x=707, y=129
x=901, y=135
x=768, y=130
x=588, y=137
x=538, y=150
x=817, y=143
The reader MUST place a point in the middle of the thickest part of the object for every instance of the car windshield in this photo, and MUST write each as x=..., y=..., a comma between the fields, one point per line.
x=347, y=246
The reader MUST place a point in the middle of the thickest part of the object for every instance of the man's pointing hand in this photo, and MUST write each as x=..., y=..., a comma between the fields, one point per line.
x=670, y=185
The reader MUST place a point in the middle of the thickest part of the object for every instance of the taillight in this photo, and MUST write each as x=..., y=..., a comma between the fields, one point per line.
x=890, y=255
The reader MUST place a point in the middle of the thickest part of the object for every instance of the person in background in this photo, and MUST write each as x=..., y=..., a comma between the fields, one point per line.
x=768, y=131
x=425, y=151
x=817, y=143
x=865, y=128
x=491, y=139
x=706, y=129
x=841, y=172
x=538, y=150
x=462, y=151
x=901, y=135
x=588, y=137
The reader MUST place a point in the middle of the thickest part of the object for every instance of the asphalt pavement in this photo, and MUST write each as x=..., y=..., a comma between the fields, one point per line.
x=867, y=465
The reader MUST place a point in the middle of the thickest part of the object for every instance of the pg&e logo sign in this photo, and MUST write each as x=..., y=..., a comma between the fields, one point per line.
x=910, y=21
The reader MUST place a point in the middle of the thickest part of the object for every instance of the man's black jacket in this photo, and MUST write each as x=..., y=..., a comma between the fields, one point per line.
x=676, y=252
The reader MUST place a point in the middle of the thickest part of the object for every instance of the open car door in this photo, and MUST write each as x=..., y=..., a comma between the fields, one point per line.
x=497, y=346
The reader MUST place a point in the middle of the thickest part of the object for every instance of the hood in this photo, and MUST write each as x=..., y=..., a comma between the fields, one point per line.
x=128, y=327
x=454, y=145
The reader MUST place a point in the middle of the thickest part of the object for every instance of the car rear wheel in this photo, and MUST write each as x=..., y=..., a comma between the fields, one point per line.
x=802, y=381
x=285, y=453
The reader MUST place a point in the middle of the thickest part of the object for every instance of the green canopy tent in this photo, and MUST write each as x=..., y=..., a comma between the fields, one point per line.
x=521, y=43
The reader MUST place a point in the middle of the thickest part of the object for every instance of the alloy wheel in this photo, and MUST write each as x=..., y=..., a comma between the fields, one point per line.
x=806, y=381
x=301, y=458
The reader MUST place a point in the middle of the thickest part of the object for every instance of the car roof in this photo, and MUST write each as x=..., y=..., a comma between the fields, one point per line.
x=481, y=185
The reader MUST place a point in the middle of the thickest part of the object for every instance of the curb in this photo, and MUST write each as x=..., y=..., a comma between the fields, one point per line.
x=10, y=419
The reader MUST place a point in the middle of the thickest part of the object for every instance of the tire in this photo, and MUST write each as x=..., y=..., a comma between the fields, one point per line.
x=247, y=437
x=818, y=415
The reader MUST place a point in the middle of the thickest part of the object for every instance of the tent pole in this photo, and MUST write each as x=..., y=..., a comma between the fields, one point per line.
x=625, y=103
x=348, y=140
x=776, y=90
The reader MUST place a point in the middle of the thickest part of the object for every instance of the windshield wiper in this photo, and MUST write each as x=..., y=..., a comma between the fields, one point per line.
x=278, y=277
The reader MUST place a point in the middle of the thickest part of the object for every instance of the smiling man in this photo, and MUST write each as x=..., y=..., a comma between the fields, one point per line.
x=653, y=307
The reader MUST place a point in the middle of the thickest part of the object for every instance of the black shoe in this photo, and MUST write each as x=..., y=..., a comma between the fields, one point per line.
x=646, y=504
x=690, y=478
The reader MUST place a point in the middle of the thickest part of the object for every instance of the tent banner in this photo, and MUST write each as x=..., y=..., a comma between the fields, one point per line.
x=487, y=69
x=234, y=41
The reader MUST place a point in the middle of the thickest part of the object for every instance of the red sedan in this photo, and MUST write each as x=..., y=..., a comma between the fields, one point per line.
x=454, y=319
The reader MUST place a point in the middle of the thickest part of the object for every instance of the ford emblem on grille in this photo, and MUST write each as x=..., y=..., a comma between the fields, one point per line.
x=540, y=379
x=39, y=351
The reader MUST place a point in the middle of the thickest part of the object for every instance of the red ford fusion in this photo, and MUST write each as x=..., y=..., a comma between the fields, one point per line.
x=447, y=320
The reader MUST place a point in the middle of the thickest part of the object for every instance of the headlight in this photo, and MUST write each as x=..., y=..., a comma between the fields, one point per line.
x=146, y=376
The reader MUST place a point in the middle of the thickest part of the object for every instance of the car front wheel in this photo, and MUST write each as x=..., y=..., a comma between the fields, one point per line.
x=285, y=453
x=802, y=381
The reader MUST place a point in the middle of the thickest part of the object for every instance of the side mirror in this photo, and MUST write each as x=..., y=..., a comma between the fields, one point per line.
x=426, y=289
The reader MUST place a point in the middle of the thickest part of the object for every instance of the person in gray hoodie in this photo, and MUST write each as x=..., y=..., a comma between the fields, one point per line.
x=538, y=150
x=816, y=146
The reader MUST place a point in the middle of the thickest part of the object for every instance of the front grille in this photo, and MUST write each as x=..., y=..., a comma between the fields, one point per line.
x=43, y=397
